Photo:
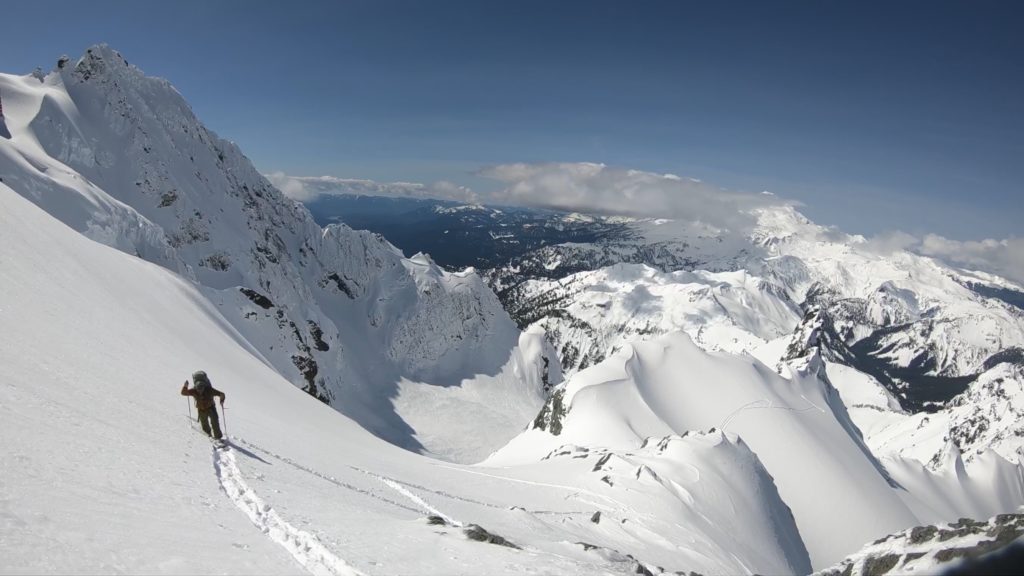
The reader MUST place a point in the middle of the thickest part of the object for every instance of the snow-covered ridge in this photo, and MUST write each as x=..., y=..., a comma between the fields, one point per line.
x=120, y=157
x=670, y=386
x=799, y=427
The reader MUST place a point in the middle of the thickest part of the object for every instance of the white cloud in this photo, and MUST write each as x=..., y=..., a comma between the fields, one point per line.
x=307, y=188
x=293, y=188
x=598, y=188
x=446, y=190
x=1001, y=257
x=582, y=187
x=890, y=242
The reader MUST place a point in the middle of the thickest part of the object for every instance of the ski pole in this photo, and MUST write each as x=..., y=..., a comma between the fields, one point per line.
x=187, y=403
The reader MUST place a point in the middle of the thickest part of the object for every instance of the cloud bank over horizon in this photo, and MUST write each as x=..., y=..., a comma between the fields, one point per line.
x=599, y=189
x=575, y=187
x=308, y=188
x=1003, y=257
x=591, y=187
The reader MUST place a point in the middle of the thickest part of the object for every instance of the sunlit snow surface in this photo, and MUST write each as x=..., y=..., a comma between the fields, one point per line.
x=126, y=231
x=104, y=472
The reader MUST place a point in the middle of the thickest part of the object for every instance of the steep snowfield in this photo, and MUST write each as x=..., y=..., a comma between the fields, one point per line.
x=798, y=427
x=120, y=157
x=102, y=471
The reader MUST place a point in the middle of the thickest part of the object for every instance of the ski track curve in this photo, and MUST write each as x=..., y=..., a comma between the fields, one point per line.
x=389, y=482
x=304, y=547
x=402, y=487
x=326, y=478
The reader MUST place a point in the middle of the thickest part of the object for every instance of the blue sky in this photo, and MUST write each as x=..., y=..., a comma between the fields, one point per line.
x=877, y=116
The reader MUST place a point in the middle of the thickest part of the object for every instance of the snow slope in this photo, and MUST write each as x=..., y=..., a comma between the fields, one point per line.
x=667, y=457
x=840, y=494
x=102, y=471
x=120, y=157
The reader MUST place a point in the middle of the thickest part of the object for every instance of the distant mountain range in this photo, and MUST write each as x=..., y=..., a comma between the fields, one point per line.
x=923, y=331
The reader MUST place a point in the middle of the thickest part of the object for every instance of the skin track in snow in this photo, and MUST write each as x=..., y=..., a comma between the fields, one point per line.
x=303, y=546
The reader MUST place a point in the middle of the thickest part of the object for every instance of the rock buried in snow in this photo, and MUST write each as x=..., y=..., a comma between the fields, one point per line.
x=433, y=520
x=926, y=549
x=475, y=532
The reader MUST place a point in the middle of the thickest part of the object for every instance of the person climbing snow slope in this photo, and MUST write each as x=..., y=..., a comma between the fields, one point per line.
x=204, y=394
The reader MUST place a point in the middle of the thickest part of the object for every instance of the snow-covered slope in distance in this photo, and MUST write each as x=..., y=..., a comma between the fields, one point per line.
x=919, y=335
x=939, y=321
x=120, y=157
x=920, y=329
x=985, y=416
x=590, y=315
x=97, y=444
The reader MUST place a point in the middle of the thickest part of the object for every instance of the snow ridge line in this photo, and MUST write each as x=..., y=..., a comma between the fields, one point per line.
x=304, y=547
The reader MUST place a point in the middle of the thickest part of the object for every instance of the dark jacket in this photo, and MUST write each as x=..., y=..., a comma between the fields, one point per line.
x=203, y=401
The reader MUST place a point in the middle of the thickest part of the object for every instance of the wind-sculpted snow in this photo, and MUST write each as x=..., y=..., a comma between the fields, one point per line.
x=840, y=494
x=710, y=483
x=120, y=157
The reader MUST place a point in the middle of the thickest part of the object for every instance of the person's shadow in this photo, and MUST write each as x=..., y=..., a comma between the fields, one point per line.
x=247, y=452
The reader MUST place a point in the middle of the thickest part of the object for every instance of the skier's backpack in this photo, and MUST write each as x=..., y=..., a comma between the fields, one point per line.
x=204, y=390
